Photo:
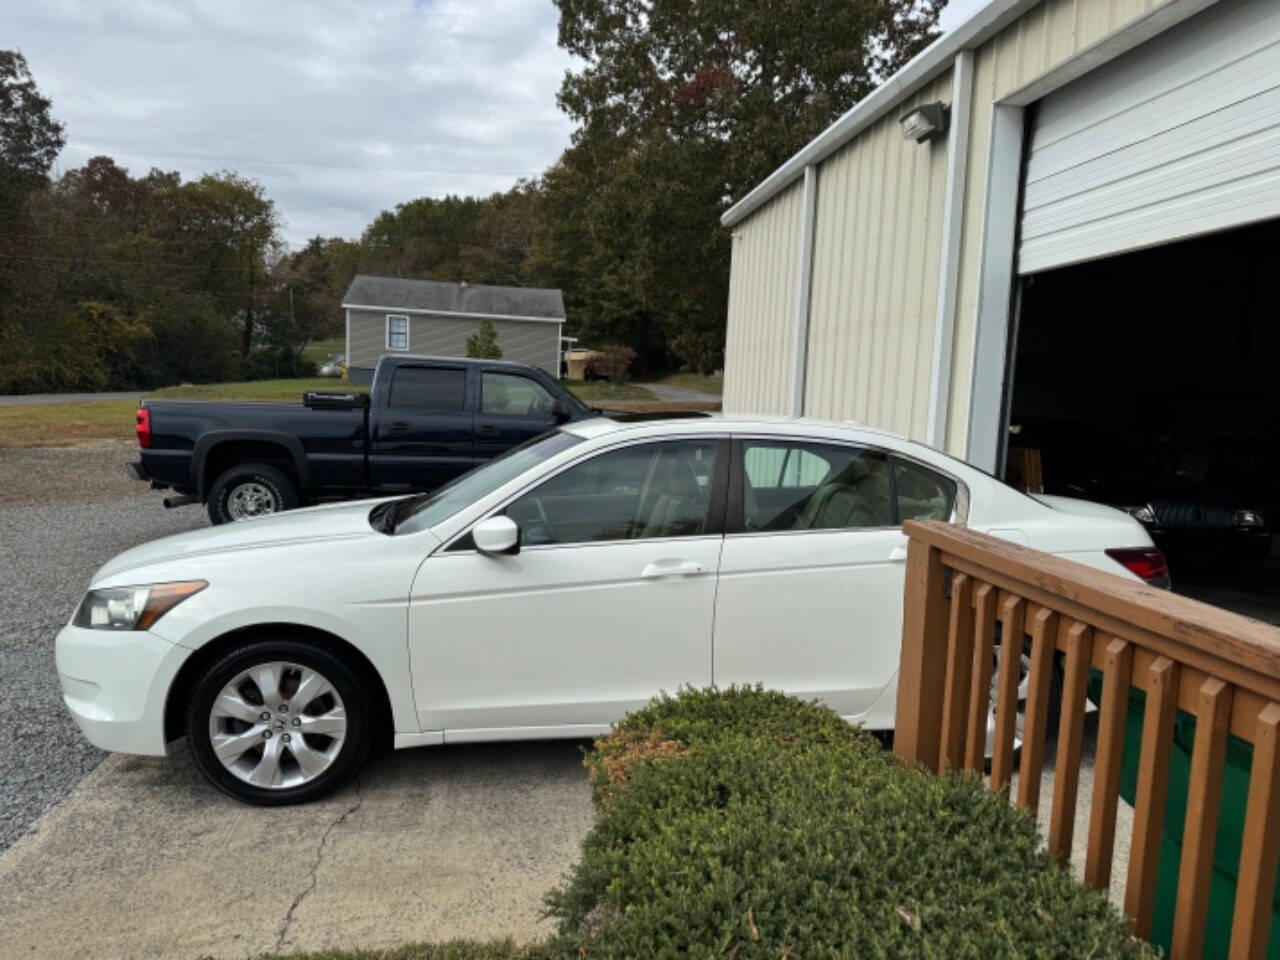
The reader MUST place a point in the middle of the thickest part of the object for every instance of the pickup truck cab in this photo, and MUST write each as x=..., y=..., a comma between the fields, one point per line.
x=424, y=421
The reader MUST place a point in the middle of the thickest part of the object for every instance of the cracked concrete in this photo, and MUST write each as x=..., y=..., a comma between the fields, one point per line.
x=315, y=867
x=145, y=860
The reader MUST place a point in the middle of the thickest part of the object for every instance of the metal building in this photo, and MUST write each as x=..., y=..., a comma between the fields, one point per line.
x=883, y=278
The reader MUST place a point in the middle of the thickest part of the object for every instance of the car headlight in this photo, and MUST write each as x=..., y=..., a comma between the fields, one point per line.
x=133, y=608
x=1249, y=518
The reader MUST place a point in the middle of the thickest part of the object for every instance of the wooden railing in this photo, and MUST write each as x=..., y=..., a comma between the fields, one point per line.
x=1221, y=668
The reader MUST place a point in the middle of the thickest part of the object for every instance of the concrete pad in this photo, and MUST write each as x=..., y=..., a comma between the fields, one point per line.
x=144, y=859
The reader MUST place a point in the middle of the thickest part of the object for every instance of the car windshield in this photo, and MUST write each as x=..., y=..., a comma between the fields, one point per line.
x=426, y=511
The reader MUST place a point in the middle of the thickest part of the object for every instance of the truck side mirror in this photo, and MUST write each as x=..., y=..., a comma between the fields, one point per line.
x=561, y=411
x=495, y=535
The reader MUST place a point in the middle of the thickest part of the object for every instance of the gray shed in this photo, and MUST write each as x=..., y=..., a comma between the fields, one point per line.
x=391, y=315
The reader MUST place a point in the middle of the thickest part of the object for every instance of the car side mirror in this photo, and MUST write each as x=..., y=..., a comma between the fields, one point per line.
x=496, y=535
x=561, y=411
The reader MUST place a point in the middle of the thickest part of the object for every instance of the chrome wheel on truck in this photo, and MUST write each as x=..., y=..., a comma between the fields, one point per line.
x=251, y=499
x=249, y=490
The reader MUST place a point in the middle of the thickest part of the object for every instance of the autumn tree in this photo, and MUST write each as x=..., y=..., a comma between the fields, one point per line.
x=30, y=138
x=680, y=109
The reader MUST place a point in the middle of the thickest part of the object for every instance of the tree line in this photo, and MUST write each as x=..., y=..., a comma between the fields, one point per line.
x=111, y=280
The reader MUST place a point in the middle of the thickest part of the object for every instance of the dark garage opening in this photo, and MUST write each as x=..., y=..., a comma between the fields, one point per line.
x=1152, y=379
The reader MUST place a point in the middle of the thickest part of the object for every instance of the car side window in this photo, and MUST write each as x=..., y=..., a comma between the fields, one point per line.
x=922, y=493
x=814, y=486
x=642, y=491
x=504, y=393
x=428, y=389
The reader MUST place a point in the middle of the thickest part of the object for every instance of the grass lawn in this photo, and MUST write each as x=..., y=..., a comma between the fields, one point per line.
x=699, y=382
x=601, y=392
x=319, y=351
x=64, y=424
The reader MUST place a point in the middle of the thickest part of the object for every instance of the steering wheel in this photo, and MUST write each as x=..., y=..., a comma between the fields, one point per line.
x=546, y=521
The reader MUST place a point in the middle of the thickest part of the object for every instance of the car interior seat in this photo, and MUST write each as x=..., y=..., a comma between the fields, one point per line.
x=679, y=509
x=858, y=496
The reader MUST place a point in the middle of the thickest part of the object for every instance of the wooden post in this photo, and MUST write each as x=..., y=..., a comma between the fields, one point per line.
x=955, y=708
x=922, y=671
x=1200, y=829
x=1117, y=667
x=1153, y=785
x=1044, y=626
x=1066, y=775
x=1260, y=845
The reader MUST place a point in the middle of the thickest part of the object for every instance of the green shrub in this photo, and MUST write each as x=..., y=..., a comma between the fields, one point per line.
x=744, y=823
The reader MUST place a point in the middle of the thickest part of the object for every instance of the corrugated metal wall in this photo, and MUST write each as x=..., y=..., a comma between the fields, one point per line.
x=877, y=242
x=877, y=236
x=537, y=344
x=1049, y=34
x=759, y=342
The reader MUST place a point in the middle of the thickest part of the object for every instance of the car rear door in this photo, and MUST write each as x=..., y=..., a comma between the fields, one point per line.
x=510, y=408
x=421, y=433
x=811, y=575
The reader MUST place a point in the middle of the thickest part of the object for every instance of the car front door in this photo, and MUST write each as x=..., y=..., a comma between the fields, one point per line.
x=421, y=434
x=512, y=409
x=609, y=600
x=811, y=576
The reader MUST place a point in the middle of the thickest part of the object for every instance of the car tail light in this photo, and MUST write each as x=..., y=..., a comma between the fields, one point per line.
x=144, y=428
x=1146, y=562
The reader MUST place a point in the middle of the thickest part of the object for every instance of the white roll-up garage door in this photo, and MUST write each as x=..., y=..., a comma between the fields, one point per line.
x=1179, y=137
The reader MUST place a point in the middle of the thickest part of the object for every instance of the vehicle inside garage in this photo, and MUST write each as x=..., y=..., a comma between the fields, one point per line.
x=1150, y=380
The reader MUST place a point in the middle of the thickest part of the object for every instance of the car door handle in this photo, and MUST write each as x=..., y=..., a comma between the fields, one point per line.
x=672, y=568
x=897, y=553
x=398, y=427
x=486, y=428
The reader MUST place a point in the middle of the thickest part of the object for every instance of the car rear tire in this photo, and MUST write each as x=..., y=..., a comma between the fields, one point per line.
x=279, y=721
x=250, y=490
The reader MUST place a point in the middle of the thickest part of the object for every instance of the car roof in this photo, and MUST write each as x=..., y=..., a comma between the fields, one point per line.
x=720, y=423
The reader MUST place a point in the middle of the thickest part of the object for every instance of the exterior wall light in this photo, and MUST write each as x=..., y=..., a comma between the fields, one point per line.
x=925, y=122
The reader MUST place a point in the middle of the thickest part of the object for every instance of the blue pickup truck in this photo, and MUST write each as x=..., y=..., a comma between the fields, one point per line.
x=424, y=421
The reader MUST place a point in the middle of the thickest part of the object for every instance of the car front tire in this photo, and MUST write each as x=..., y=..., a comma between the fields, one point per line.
x=250, y=490
x=279, y=721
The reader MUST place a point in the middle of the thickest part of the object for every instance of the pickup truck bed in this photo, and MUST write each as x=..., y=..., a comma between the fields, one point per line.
x=425, y=421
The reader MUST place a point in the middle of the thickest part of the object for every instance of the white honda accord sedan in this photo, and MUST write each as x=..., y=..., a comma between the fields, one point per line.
x=544, y=594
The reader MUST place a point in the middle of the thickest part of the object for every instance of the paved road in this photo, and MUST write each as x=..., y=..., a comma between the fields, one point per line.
x=18, y=398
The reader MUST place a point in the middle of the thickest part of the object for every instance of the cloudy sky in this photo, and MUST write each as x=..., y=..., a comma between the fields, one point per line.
x=340, y=109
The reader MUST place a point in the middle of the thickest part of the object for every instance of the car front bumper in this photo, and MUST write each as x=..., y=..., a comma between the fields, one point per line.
x=115, y=684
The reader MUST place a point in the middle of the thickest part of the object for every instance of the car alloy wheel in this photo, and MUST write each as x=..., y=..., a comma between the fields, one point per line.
x=277, y=725
x=281, y=720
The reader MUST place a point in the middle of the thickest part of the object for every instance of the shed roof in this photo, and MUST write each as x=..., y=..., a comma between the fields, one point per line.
x=432, y=296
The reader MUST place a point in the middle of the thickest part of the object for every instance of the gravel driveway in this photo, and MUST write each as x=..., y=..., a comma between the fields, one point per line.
x=64, y=512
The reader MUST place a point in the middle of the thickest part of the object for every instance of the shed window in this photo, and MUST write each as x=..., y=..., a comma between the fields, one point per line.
x=397, y=332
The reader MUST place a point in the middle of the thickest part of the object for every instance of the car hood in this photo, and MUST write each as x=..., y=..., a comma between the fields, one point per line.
x=331, y=522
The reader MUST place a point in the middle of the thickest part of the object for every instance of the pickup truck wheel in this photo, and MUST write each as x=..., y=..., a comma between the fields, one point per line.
x=250, y=490
x=279, y=721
